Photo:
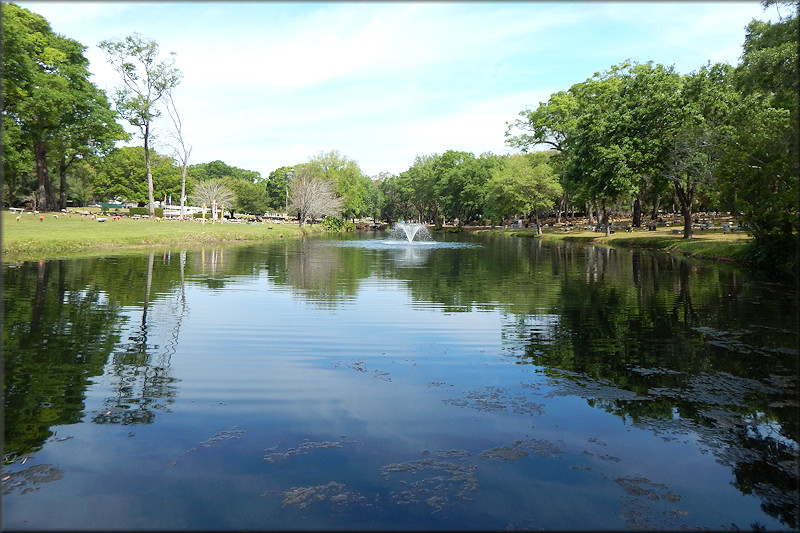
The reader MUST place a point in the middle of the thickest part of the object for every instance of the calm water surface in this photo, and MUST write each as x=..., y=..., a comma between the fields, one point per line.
x=329, y=383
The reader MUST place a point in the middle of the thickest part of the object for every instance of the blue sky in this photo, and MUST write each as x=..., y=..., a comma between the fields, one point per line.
x=270, y=84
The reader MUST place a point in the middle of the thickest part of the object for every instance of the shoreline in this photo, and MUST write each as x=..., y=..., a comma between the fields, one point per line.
x=42, y=236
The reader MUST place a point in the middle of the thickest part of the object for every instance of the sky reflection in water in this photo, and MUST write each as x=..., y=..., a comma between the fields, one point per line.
x=350, y=384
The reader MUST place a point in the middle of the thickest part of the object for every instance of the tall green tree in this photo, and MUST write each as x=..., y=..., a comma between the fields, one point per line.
x=217, y=169
x=419, y=182
x=89, y=139
x=395, y=204
x=460, y=179
x=122, y=176
x=525, y=185
x=350, y=183
x=250, y=197
x=697, y=144
x=763, y=163
x=49, y=103
x=278, y=185
x=145, y=81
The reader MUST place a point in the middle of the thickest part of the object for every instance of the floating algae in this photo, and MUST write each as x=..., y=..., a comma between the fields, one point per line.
x=520, y=448
x=361, y=366
x=575, y=384
x=498, y=399
x=333, y=492
x=274, y=453
x=446, y=481
x=228, y=434
x=24, y=480
x=643, y=507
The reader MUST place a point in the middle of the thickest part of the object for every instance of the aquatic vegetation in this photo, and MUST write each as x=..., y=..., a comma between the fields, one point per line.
x=333, y=492
x=228, y=434
x=275, y=454
x=498, y=399
x=27, y=480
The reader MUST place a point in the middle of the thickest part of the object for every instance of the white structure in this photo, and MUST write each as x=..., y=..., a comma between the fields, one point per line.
x=175, y=211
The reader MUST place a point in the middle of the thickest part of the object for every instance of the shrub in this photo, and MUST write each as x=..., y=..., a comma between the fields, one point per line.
x=158, y=211
x=337, y=224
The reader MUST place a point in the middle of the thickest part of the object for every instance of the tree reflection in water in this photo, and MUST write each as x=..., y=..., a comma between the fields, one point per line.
x=662, y=343
x=641, y=353
x=141, y=367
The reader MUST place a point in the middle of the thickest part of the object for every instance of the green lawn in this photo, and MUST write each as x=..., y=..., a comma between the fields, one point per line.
x=712, y=244
x=71, y=234
x=63, y=235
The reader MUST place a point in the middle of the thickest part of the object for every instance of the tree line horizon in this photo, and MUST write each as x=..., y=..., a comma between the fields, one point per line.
x=630, y=139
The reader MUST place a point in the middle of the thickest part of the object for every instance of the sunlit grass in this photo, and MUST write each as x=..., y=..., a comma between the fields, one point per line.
x=67, y=235
x=712, y=244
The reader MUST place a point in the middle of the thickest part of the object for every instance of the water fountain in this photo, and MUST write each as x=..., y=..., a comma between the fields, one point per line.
x=410, y=231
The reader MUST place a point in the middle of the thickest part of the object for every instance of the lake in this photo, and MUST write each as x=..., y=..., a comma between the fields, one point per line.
x=470, y=383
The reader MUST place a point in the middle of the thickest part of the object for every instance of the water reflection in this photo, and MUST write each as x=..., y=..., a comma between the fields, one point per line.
x=58, y=328
x=665, y=353
x=675, y=347
x=141, y=382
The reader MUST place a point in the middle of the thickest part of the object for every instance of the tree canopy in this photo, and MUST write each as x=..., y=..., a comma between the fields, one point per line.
x=51, y=111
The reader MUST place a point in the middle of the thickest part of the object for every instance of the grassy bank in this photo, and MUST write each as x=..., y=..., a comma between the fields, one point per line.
x=70, y=234
x=711, y=245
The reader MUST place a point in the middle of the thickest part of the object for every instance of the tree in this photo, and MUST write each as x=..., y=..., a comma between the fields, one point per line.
x=219, y=170
x=551, y=124
x=652, y=114
x=349, y=182
x=313, y=195
x=91, y=138
x=49, y=103
x=146, y=80
x=526, y=184
x=395, y=204
x=762, y=164
x=17, y=162
x=596, y=159
x=181, y=149
x=697, y=144
x=278, y=184
x=250, y=197
x=121, y=175
x=419, y=181
x=213, y=193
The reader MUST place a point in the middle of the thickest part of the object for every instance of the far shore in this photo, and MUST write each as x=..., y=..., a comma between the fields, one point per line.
x=29, y=236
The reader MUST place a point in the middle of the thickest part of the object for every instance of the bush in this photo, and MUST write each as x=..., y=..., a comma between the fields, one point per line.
x=337, y=224
x=158, y=211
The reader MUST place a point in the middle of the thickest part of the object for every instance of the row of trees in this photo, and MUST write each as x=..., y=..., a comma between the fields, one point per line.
x=632, y=138
x=53, y=116
x=721, y=135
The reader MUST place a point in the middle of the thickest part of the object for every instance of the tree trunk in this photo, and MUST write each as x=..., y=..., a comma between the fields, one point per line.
x=45, y=196
x=589, y=212
x=62, y=190
x=183, y=191
x=654, y=214
x=605, y=221
x=685, y=198
x=151, y=201
x=637, y=213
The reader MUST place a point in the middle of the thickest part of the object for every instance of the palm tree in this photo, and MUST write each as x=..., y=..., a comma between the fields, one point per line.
x=214, y=193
